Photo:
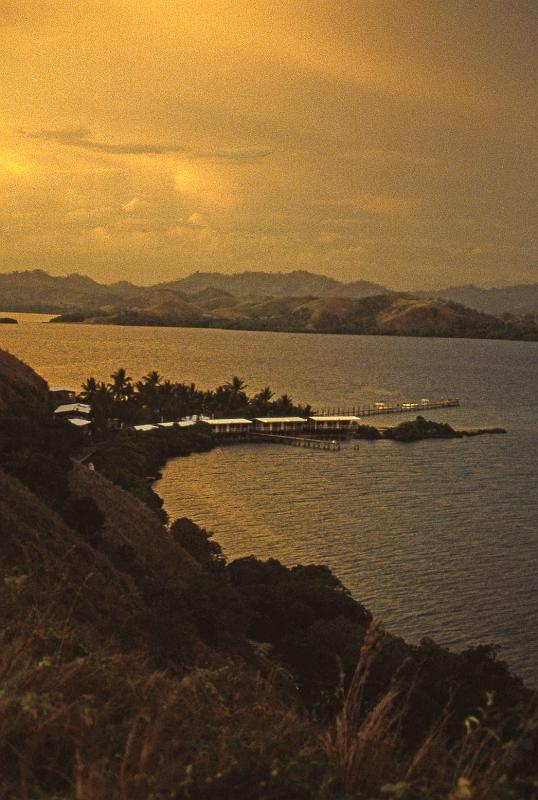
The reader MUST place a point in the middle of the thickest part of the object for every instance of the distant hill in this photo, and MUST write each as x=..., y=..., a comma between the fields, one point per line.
x=278, y=284
x=360, y=289
x=398, y=315
x=36, y=290
x=519, y=300
x=299, y=283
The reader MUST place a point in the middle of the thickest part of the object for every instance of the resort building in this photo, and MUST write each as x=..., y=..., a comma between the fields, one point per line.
x=146, y=427
x=78, y=422
x=181, y=423
x=62, y=394
x=237, y=425
x=74, y=408
x=85, y=426
x=334, y=423
x=280, y=424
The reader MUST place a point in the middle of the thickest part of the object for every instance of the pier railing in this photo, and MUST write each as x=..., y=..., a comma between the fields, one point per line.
x=296, y=441
x=376, y=410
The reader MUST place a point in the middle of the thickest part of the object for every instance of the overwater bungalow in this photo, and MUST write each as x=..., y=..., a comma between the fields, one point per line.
x=333, y=423
x=280, y=424
x=232, y=425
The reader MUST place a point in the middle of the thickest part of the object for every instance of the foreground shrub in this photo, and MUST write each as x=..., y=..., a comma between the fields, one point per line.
x=111, y=727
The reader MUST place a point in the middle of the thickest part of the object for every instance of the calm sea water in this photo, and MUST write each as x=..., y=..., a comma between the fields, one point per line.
x=438, y=539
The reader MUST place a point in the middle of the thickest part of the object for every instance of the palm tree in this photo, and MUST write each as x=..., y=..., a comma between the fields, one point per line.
x=121, y=387
x=152, y=379
x=102, y=406
x=262, y=400
x=147, y=388
x=285, y=403
x=265, y=395
x=234, y=390
x=89, y=389
x=166, y=388
x=235, y=386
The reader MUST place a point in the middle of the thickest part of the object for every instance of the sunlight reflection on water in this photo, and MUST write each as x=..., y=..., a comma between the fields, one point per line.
x=438, y=539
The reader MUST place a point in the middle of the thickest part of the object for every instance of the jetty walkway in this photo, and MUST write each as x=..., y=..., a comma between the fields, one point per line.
x=384, y=408
x=296, y=441
x=321, y=430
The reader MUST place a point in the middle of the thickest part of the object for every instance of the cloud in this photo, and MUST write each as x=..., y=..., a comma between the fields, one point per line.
x=195, y=223
x=13, y=163
x=372, y=203
x=197, y=220
x=85, y=214
x=132, y=205
x=100, y=233
x=81, y=137
x=380, y=156
x=248, y=156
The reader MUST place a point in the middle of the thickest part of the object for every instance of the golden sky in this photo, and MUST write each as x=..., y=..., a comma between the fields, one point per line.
x=389, y=140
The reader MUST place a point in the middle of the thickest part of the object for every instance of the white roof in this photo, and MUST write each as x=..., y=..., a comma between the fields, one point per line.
x=280, y=419
x=232, y=421
x=144, y=427
x=343, y=418
x=73, y=408
x=63, y=389
x=80, y=423
x=182, y=423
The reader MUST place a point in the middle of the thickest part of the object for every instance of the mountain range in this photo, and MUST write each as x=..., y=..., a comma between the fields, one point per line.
x=36, y=290
x=383, y=314
x=297, y=301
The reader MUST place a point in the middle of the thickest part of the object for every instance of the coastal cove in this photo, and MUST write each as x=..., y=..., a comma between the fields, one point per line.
x=437, y=538
x=422, y=533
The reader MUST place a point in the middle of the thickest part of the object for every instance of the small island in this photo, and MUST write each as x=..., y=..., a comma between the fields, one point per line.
x=8, y=321
x=124, y=630
x=420, y=428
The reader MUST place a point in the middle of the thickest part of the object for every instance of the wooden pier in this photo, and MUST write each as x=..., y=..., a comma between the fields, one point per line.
x=398, y=408
x=297, y=441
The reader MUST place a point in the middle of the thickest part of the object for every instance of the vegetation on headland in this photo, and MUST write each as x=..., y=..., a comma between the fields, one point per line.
x=36, y=290
x=155, y=399
x=138, y=663
x=417, y=429
x=420, y=428
x=386, y=314
x=132, y=460
x=298, y=302
x=7, y=321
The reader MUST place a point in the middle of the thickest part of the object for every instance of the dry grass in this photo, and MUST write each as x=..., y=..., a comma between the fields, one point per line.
x=363, y=743
x=369, y=754
x=112, y=727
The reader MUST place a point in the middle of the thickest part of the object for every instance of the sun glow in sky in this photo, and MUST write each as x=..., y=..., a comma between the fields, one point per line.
x=389, y=140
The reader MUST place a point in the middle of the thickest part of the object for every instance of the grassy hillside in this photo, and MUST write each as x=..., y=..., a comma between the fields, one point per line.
x=392, y=314
x=20, y=384
x=38, y=291
x=518, y=300
x=136, y=662
x=293, y=301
